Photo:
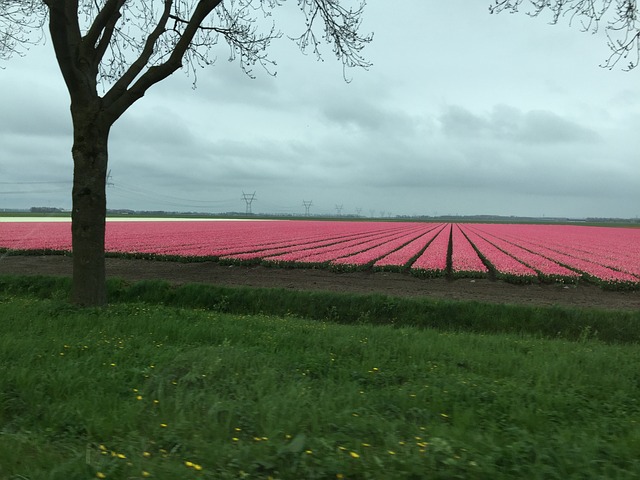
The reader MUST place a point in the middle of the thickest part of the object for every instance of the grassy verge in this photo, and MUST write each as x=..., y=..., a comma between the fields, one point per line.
x=451, y=316
x=139, y=390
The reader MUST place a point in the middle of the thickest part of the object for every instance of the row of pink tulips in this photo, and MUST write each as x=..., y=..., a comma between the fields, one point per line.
x=546, y=268
x=559, y=252
x=433, y=260
x=464, y=259
x=404, y=255
x=547, y=240
x=376, y=252
x=335, y=252
x=504, y=264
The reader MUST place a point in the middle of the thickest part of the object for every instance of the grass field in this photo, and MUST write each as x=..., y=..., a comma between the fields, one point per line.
x=141, y=390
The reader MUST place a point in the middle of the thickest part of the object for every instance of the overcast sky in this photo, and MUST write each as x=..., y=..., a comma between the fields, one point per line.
x=462, y=113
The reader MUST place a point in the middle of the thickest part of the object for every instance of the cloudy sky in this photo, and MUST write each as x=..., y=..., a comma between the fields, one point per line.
x=462, y=113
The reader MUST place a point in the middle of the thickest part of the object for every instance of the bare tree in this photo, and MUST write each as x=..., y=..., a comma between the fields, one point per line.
x=618, y=17
x=110, y=52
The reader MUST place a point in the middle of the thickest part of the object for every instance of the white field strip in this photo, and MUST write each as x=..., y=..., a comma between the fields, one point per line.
x=135, y=219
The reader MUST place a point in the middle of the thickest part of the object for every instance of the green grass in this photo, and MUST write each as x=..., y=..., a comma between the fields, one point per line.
x=452, y=316
x=183, y=392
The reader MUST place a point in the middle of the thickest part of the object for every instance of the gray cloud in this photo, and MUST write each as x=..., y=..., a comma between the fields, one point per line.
x=510, y=124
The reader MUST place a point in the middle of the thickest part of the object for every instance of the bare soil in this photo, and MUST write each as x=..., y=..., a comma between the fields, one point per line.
x=583, y=295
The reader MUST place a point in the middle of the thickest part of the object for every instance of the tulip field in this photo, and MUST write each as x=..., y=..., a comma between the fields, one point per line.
x=520, y=253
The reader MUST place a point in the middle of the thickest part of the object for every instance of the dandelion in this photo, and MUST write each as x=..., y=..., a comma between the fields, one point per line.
x=308, y=452
x=391, y=452
x=100, y=475
x=235, y=439
x=354, y=455
x=121, y=456
x=195, y=466
x=146, y=454
x=145, y=474
x=163, y=425
x=138, y=397
x=366, y=444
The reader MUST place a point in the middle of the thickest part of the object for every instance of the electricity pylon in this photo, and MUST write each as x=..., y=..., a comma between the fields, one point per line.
x=248, y=198
x=307, y=206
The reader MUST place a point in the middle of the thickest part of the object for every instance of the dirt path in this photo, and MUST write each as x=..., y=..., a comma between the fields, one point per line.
x=395, y=284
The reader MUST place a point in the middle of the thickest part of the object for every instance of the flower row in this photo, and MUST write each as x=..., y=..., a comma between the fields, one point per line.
x=509, y=251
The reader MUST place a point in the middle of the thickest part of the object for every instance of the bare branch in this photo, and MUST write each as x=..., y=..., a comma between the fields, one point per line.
x=21, y=25
x=120, y=87
x=105, y=19
x=340, y=28
x=622, y=27
x=173, y=62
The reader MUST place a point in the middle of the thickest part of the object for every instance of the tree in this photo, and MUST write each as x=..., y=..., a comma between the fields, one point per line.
x=620, y=18
x=110, y=52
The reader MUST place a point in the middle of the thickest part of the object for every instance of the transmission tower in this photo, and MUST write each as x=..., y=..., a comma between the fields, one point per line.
x=248, y=198
x=339, y=209
x=307, y=206
x=358, y=211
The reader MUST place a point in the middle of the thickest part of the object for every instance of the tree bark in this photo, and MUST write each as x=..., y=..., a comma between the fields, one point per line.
x=89, y=206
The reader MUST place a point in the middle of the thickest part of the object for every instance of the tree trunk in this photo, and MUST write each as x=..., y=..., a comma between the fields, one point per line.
x=89, y=206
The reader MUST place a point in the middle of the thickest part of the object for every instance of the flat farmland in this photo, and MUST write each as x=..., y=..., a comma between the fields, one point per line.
x=515, y=253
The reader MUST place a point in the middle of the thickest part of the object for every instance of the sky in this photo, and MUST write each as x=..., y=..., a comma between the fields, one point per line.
x=461, y=113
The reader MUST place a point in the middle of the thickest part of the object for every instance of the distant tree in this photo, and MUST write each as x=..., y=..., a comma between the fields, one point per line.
x=620, y=19
x=110, y=52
